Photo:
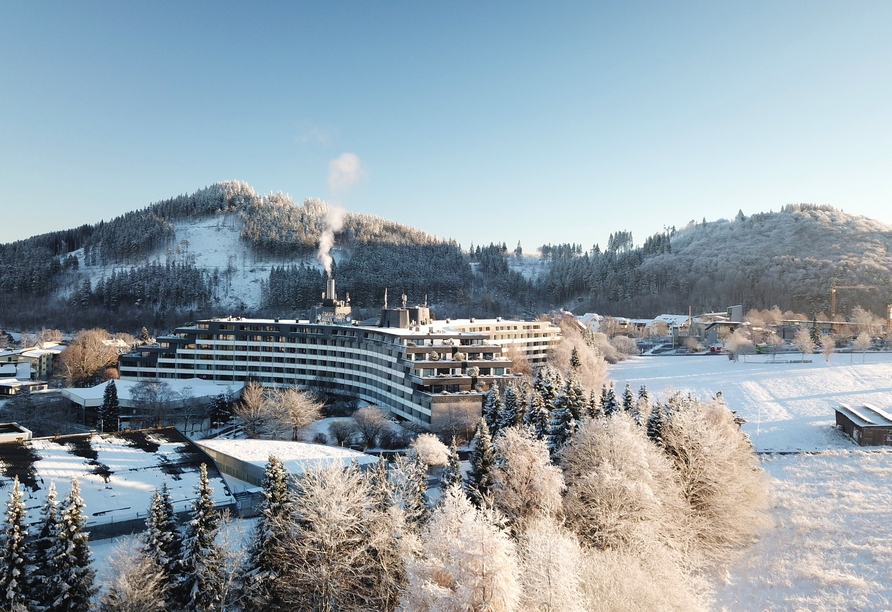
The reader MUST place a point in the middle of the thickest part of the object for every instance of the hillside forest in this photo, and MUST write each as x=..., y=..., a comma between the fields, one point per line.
x=134, y=270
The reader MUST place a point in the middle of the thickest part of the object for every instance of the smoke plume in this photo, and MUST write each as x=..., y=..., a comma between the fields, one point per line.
x=334, y=223
x=342, y=173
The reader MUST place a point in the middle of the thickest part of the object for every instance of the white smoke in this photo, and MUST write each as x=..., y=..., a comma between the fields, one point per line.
x=342, y=173
x=334, y=223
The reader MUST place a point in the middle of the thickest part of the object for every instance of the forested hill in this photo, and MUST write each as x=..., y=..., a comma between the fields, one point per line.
x=226, y=250
x=788, y=258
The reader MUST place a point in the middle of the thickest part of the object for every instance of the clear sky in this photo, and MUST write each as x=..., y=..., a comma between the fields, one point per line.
x=479, y=121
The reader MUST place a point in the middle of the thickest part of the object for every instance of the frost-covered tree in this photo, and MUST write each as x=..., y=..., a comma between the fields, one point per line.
x=552, y=568
x=161, y=541
x=642, y=407
x=861, y=344
x=828, y=346
x=71, y=585
x=466, y=562
x=479, y=479
x=200, y=587
x=802, y=341
x=221, y=410
x=134, y=584
x=511, y=413
x=40, y=575
x=720, y=477
x=14, y=553
x=429, y=450
x=629, y=400
x=622, y=492
x=526, y=485
x=409, y=476
x=608, y=401
x=260, y=572
x=110, y=411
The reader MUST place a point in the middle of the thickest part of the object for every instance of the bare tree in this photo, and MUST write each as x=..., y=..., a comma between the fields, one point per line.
x=371, y=422
x=552, y=566
x=89, y=353
x=293, y=409
x=250, y=411
x=738, y=343
x=153, y=401
x=861, y=344
x=342, y=430
x=134, y=583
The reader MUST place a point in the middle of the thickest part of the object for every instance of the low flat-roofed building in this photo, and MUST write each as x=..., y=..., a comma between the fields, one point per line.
x=867, y=425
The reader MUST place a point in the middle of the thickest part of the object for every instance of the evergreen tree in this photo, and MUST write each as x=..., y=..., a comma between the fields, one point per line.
x=628, y=400
x=40, y=574
x=538, y=415
x=593, y=410
x=71, y=585
x=200, y=587
x=510, y=414
x=110, y=411
x=575, y=363
x=410, y=491
x=220, y=410
x=523, y=401
x=144, y=336
x=261, y=569
x=492, y=408
x=643, y=406
x=609, y=404
x=161, y=542
x=815, y=332
x=452, y=472
x=576, y=402
x=14, y=553
x=561, y=426
x=478, y=482
x=655, y=423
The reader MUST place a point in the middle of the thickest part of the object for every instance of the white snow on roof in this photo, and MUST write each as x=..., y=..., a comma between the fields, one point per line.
x=297, y=456
x=199, y=388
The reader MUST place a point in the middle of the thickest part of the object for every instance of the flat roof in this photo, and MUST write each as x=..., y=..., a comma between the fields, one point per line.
x=866, y=415
x=297, y=456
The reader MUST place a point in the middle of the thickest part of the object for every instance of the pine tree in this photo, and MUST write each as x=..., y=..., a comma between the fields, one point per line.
x=144, y=336
x=110, y=411
x=575, y=363
x=655, y=423
x=452, y=473
x=410, y=489
x=261, y=569
x=815, y=332
x=14, y=553
x=71, y=586
x=200, y=587
x=593, y=409
x=478, y=482
x=161, y=542
x=492, y=408
x=576, y=402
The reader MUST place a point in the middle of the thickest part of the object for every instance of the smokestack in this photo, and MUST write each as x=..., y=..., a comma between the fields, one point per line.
x=330, y=290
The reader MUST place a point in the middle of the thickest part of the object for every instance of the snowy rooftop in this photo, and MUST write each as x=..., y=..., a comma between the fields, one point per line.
x=117, y=472
x=92, y=396
x=296, y=456
x=866, y=415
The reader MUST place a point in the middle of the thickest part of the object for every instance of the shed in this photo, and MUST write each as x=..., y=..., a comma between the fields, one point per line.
x=867, y=425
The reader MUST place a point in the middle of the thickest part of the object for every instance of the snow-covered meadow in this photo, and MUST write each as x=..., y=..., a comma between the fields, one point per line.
x=830, y=547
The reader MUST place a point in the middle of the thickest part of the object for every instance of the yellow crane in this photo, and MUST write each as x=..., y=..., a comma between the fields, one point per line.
x=834, y=287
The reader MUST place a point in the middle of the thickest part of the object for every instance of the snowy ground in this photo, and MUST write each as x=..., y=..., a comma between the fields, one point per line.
x=831, y=544
x=787, y=406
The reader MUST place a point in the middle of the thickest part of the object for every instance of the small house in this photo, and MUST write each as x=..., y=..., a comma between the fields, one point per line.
x=867, y=425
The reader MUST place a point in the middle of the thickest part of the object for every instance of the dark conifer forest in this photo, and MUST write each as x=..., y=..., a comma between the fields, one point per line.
x=137, y=269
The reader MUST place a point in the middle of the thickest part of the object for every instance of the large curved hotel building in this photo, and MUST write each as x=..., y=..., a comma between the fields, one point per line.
x=426, y=371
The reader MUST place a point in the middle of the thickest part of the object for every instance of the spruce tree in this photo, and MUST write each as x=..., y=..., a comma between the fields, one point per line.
x=628, y=400
x=452, y=472
x=815, y=332
x=200, y=587
x=479, y=481
x=144, y=336
x=110, y=411
x=14, y=553
x=576, y=402
x=655, y=423
x=262, y=569
x=492, y=408
x=510, y=415
x=71, y=586
x=560, y=427
x=609, y=406
x=221, y=410
x=538, y=415
x=642, y=408
x=161, y=542
x=593, y=409
x=575, y=363
x=41, y=574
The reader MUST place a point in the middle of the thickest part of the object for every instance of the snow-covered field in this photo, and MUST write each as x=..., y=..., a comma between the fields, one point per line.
x=831, y=544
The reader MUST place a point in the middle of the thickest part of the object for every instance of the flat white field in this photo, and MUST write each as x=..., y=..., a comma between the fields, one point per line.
x=830, y=548
x=787, y=406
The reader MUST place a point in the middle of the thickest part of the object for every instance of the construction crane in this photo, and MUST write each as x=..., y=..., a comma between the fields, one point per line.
x=834, y=287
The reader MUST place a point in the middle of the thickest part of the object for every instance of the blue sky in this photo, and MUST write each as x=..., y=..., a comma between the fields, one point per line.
x=494, y=121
